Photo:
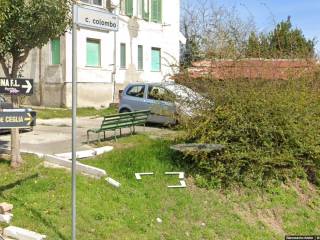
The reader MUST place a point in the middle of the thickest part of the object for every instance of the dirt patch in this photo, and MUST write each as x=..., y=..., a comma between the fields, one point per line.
x=269, y=217
x=304, y=191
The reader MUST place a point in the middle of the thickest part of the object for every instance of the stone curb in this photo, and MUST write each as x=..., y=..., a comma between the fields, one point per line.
x=82, y=168
x=22, y=234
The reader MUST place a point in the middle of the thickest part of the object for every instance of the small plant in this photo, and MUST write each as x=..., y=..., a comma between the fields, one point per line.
x=270, y=129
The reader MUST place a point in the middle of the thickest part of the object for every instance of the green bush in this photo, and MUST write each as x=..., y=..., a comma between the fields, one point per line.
x=271, y=130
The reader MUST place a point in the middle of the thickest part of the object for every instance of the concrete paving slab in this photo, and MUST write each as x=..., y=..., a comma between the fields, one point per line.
x=82, y=168
x=22, y=234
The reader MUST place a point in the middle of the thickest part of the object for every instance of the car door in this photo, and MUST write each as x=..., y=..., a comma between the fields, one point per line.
x=4, y=104
x=134, y=97
x=162, y=108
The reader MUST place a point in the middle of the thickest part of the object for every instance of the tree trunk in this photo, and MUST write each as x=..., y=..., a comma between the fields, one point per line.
x=17, y=60
x=16, y=159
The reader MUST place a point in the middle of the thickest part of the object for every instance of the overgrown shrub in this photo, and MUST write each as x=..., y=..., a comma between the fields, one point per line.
x=271, y=130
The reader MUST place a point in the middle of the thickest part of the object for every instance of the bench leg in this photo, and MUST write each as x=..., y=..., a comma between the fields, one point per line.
x=120, y=132
x=104, y=135
x=87, y=137
x=115, y=135
x=99, y=140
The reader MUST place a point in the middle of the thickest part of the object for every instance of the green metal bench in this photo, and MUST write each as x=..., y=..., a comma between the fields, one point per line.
x=119, y=121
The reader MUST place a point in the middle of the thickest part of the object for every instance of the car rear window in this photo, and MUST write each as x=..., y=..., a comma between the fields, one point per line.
x=136, y=91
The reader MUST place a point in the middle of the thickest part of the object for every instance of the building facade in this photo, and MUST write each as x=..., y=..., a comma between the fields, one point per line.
x=146, y=48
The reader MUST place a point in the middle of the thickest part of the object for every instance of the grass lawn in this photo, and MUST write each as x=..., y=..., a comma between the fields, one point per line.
x=66, y=113
x=41, y=199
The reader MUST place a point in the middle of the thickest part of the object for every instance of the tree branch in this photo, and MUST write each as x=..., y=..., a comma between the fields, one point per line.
x=16, y=61
x=4, y=66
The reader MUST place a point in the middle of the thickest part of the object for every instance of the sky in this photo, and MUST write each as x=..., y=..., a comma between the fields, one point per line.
x=305, y=14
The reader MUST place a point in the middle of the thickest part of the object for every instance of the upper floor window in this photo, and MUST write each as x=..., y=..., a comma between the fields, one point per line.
x=129, y=8
x=143, y=9
x=93, y=2
x=156, y=11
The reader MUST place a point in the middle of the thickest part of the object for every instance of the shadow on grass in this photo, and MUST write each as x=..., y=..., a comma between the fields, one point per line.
x=34, y=212
x=4, y=161
x=16, y=183
x=109, y=138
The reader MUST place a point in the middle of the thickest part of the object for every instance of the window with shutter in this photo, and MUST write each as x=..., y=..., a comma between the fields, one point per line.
x=129, y=8
x=93, y=53
x=145, y=6
x=155, y=59
x=156, y=11
x=123, y=55
x=94, y=2
x=55, y=51
x=140, y=57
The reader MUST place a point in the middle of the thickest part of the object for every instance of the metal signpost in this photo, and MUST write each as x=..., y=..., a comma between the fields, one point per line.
x=97, y=19
x=19, y=86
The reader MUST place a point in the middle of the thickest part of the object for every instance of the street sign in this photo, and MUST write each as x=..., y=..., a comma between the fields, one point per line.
x=19, y=86
x=95, y=18
x=16, y=118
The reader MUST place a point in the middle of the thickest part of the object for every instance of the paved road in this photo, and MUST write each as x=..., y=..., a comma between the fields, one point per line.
x=54, y=135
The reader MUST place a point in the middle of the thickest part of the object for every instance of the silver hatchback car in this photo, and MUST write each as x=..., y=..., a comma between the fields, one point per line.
x=159, y=98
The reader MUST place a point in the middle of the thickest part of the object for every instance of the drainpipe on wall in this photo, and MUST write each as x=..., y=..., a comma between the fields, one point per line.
x=114, y=66
x=40, y=77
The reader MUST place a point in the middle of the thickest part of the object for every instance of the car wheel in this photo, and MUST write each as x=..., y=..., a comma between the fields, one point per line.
x=124, y=110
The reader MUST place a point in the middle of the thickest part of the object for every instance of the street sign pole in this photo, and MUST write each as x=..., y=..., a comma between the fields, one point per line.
x=96, y=19
x=74, y=117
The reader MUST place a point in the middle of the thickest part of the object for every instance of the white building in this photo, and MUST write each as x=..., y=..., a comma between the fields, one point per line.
x=147, y=49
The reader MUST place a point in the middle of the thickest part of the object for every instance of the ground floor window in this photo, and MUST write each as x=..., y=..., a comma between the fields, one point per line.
x=55, y=51
x=140, y=57
x=123, y=55
x=93, y=53
x=155, y=59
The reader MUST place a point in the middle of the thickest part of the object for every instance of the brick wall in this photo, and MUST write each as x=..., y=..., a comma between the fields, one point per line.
x=252, y=68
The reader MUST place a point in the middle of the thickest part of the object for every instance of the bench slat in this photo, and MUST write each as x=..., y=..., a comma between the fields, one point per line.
x=121, y=120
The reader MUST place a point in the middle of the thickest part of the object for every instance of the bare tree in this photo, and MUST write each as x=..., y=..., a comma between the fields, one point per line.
x=218, y=31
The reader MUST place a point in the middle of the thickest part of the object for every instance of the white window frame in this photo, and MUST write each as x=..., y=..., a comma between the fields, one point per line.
x=90, y=2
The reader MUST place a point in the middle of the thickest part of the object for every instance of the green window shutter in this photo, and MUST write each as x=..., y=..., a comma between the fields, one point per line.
x=155, y=59
x=93, y=53
x=145, y=11
x=156, y=11
x=159, y=11
x=129, y=8
x=55, y=51
x=140, y=57
x=123, y=55
x=154, y=8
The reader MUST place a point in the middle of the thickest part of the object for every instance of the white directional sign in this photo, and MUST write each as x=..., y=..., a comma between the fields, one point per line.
x=96, y=18
x=19, y=86
x=16, y=118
